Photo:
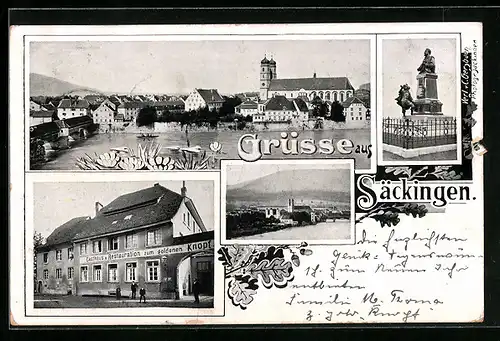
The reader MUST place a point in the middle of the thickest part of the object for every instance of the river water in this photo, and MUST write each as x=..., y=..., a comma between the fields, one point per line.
x=339, y=230
x=101, y=143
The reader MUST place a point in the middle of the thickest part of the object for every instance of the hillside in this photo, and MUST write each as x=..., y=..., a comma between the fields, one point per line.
x=303, y=185
x=41, y=85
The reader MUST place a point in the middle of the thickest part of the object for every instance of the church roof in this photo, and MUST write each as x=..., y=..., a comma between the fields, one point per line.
x=272, y=62
x=264, y=61
x=290, y=84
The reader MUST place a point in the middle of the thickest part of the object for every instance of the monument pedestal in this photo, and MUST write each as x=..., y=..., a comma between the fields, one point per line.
x=427, y=102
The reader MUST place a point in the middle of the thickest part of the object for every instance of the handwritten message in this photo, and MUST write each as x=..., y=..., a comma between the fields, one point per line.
x=390, y=275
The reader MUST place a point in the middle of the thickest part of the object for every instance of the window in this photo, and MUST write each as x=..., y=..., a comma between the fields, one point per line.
x=203, y=266
x=131, y=272
x=97, y=246
x=71, y=273
x=46, y=257
x=58, y=273
x=153, y=237
x=152, y=270
x=84, y=273
x=113, y=243
x=71, y=254
x=97, y=273
x=45, y=274
x=112, y=272
x=130, y=241
x=83, y=248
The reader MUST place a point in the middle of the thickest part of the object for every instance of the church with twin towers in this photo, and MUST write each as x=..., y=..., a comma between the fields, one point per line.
x=327, y=88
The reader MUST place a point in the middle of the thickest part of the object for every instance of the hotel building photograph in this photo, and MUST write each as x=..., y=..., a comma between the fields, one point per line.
x=159, y=236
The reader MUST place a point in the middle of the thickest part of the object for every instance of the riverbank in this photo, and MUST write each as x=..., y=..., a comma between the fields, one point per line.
x=163, y=127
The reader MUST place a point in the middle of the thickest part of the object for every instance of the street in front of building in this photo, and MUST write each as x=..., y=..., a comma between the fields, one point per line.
x=72, y=301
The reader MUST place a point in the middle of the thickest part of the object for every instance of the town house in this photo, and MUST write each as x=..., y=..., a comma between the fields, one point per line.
x=356, y=112
x=154, y=237
x=201, y=98
x=70, y=108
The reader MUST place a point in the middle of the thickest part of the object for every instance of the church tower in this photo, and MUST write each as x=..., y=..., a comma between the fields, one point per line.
x=265, y=77
x=291, y=203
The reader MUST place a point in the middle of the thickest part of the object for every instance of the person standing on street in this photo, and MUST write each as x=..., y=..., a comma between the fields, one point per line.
x=196, y=291
x=133, y=288
x=142, y=295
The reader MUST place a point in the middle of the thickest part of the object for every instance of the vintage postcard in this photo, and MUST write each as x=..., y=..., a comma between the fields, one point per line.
x=246, y=174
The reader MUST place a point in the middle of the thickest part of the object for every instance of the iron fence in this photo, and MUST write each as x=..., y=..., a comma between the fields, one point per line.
x=407, y=133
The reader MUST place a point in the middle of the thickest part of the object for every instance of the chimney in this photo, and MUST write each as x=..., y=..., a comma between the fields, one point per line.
x=98, y=207
x=314, y=75
x=183, y=189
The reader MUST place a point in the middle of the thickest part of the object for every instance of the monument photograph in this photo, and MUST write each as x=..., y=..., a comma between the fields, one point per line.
x=419, y=92
x=288, y=201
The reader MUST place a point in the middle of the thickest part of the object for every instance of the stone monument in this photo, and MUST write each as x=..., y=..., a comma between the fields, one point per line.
x=426, y=130
x=427, y=102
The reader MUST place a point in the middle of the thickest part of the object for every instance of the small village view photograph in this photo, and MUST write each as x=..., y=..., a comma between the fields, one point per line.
x=146, y=105
x=123, y=244
x=288, y=201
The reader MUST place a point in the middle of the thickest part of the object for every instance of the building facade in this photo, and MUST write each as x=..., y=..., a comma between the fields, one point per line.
x=130, y=110
x=247, y=108
x=280, y=109
x=356, y=113
x=328, y=89
x=201, y=98
x=39, y=117
x=70, y=108
x=154, y=237
x=104, y=113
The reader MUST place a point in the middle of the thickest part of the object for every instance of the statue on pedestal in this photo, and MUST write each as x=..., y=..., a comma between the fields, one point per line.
x=404, y=99
x=428, y=64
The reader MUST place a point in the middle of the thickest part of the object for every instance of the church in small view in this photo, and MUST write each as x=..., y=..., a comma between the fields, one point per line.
x=328, y=89
x=285, y=215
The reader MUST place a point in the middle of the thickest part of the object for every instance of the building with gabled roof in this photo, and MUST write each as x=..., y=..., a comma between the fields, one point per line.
x=201, y=98
x=70, y=108
x=281, y=109
x=356, y=112
x=41, y=116
x=326, y=88
x=154, y=237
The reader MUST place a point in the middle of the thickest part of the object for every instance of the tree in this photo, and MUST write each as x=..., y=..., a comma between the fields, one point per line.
x=38, y=241
x=228, y=106
x=337, y=112
x=302, y=217
x=146, y=117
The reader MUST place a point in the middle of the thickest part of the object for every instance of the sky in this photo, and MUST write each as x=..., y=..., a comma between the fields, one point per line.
x=59, y=202
x=400, y=60
x=237, y=174
x=180, y=66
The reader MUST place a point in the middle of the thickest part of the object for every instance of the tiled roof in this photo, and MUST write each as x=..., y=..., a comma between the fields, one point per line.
x=65, y=233
x=145, y=207
x=44, y=128
x=248, y=105
x=210, y=95
x=71, y=103
x=334, y=83
x=279, y=103
x=41, y=113
x=74, y=121
x=302, y=208
x=352, y=100
x=49, y=106
x=94, y=106
x=133, y=105
x=301, y=104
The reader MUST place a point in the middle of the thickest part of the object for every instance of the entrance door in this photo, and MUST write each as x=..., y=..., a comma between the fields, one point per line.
x=205, y=277
x=39, y=287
